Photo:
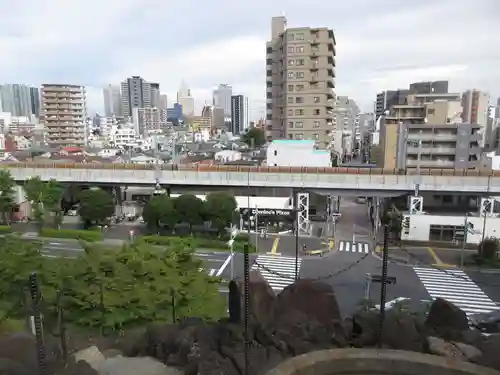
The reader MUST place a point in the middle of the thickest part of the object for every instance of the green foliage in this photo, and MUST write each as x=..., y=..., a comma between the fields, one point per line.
x=7, y=191
x=45, y=198
x=107, y=289
x=488, y=248
x=189, y=209
x=96, y=206
x=255, y=137
x=4, y=229
x=196, y=243
x=220, y=208
x=84, y=235
x=159, y=211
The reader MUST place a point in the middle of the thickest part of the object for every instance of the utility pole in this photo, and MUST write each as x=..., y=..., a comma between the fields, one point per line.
x=384, y=281
x=297, y=213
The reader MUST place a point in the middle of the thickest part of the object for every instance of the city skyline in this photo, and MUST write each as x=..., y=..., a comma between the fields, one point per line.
x=371, y=57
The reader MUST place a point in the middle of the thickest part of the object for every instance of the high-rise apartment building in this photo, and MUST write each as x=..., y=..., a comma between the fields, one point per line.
x=63, y=113
x=136, y=93
x=35, y=101
x=300, y=83
x=429, y=87
x=148, y=120
x=346, y=122
x=222, y=99
x=112, y=100
x=386, y=99
x=16, y=99
x=163, y=101
x=476, y=109
x=155, y=95
x=239, y=117
x=185, y=99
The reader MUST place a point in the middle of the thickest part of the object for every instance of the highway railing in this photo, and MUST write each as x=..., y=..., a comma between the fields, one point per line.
x=256, y=169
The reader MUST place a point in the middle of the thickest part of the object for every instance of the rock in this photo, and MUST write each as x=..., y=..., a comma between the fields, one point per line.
x=261, y=300
x=447, y=321
x=11, y=367
x=403, y=332
x=133, y=366
x=452, y=350
x=307, y=314
x=490, y=348
x=78, y=368
x=110, y=353
x=91, y=355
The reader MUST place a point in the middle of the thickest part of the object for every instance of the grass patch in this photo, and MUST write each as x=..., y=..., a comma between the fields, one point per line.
x=74, y=234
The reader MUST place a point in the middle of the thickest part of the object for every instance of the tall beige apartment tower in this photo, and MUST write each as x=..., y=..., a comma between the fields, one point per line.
x=300, y=83
x=63, y=112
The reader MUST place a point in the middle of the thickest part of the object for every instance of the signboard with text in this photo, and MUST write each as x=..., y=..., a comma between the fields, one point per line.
x=276, y=214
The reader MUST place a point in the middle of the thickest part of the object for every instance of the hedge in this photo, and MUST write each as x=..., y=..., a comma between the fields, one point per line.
x=5, y=229
x=85, y=235
x=196, y=243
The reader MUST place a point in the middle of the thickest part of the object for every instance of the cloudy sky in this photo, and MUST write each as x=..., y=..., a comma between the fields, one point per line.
x=381, y=44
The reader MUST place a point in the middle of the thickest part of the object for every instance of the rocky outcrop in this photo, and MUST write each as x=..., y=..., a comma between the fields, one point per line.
x=304, y=318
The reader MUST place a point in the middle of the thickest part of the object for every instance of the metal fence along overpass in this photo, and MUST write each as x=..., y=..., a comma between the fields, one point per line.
x=347, y=179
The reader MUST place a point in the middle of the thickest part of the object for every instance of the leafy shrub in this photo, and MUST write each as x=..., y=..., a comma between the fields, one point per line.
x=5, y=229
x=85, y=235
x=488, y=248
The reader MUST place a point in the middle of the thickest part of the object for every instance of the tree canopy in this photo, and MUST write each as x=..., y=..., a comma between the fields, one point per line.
x=109, y=289
x=254, y=137
x=96, y=206
x=45, y=198
x=7, y=191
x=219, y=209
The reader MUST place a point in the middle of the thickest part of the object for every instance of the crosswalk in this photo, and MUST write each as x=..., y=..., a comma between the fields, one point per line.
x=210, y=271
x=354, y=247
x=278, y=271
x=456, y=287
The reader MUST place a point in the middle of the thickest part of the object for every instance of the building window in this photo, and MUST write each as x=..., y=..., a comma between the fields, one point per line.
x=299, y=125
x=275, y=153
x=316, y=124
x=290, y=87
x=299, y=112
x=299, y=136
x=317, y=99
x=291, y=74
x=299, y=75
x=291, y=37
x=290, y=124
x=290, y=112
x=316, y=112
x=299, y=49
x=431, y=111
x=300, y=87
x=290, y=49
x=290, y=62
x=300, y=36
x=315, y=136
x=445, y=232
x=299, y=99
x=290, y=100
x=300, y=62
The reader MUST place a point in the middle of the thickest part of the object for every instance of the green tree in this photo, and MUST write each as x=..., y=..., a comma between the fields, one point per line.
x=220, y=208
x=255, y=137
x=139, y=285
x=160, y=211
x=18, y=259
x=96, y=206
x=189, y=209
x=488, y=249
x=45, y=198
x=7, y=191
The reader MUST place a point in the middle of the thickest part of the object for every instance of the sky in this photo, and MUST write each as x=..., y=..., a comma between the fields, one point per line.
x=381, y=44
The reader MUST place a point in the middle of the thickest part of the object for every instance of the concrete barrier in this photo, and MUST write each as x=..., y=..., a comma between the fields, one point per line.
x=375, y=362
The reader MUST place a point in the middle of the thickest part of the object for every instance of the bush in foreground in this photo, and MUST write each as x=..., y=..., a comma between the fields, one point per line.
x=84, y=235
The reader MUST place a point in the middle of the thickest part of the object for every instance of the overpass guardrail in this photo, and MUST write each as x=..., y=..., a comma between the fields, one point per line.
x=256, y=169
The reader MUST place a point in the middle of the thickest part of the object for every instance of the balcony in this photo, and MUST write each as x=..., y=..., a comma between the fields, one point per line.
x=430, y=136
x=438, y=164
x=431, y=150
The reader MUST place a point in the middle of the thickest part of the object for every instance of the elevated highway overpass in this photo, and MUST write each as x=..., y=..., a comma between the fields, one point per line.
x=360, y=181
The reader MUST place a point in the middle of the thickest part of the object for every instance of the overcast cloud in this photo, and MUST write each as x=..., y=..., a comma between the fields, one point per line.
x=381, y=44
